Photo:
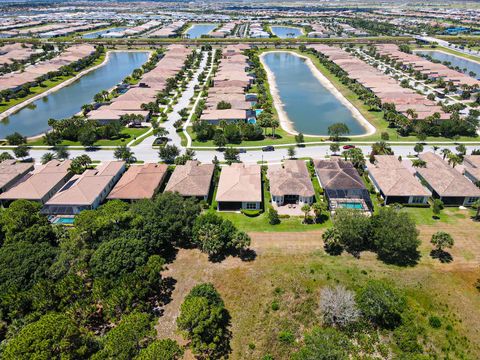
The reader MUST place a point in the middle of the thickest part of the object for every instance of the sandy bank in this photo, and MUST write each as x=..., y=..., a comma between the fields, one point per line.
x=286, y=123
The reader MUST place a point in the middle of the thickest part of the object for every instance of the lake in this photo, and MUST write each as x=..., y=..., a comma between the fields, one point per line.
x=286, y=31
x=96, y=34
x=462, y=63
x=67, y=101
x=310, y=106
x=197, y=30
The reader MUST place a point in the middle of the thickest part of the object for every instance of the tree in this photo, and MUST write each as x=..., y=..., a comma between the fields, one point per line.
x=442, y=240
x=395, y=237
x=87, y=137
x=21, y=151
x=454, y=159
x=353, y=230
x=163, y=349
x=219, y=139
x=324, y=344
x=264, y=120
x=5, y=156
x=418, y=148
x=125, y=340
x=223, y=105
x=118, y=256
x=47, y=157
x=334, y=148
x=53, y=336
x=437, y=207
x=338, y=306
x=272, y=216
x=124, y=153
x=331, y=242
x=306, y=210
x=80, y=164
x=299, y=139
x=381, y=304
x=61, y=152
x=291, y=152
x=335, y=131
x=52, y=138
x=16, y=139
x=419, y=163
x=445, y=152
x=168, y=153
x=318, y=209
x=204, y=322
x=231, y=154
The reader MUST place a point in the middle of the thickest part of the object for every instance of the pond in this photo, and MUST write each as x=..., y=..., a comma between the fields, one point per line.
x=67, y=101
x=462, y=63
x=284, y=32
x=308, y=104
x=197, y=30
x=96, y=34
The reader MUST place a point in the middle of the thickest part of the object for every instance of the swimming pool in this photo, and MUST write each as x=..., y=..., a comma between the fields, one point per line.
x=64, y=220
x=351, y=205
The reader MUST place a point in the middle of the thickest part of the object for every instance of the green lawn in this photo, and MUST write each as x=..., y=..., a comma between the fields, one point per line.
x=46, y=85
x=128, y=135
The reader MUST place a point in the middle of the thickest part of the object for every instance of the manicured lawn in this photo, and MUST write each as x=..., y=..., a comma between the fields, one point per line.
x=128, y=133
x=47, y=85
x=260, y=223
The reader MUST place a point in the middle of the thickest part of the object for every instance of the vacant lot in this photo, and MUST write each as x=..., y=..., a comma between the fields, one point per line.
x=290, y=269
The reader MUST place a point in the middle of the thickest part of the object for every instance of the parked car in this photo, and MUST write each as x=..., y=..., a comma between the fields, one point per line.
x=346, y=147
x=268, y=148
x=242, y=151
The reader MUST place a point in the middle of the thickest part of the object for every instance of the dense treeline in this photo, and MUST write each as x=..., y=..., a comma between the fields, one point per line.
x=93, y=291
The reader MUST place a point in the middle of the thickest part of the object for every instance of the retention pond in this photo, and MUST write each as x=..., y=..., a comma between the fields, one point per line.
x=67, y=101
x=305, y=102
x=284, y=32
x=462, y=63
x=197, y=30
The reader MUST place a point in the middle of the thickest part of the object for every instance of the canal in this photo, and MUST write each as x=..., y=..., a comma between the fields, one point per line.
x=284, y=32
x=462, y=63
x=67, y=101
x=308, y=104
x=197, y=30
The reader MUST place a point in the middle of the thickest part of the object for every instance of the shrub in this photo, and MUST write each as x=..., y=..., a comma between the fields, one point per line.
x=338, y=306
x=273, y=218
x=324, y=344
x=286, y=337
x=251, y=213
x=381, y=304
x=435, y=322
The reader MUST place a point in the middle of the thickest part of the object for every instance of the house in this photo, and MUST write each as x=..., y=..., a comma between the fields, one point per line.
x=228, y=115
x=86, y=191
x=342, y=184
x=12, y=171
x=139, y=182
x=192, y=179
x=40, y=184
x=395, y=183
x=471, y=164
x=240, y=187
x=446, y=183
x=291, y=183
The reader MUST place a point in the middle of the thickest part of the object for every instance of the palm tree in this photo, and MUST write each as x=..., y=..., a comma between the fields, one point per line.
x=445, y=152
x=454, y=160
x=306, y=210
x=435, y=148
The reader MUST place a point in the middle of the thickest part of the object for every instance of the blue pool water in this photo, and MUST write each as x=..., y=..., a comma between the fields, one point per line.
x=310, y=106
x=351, y=205
x=68, y=101
x=64, y=220
x=284, y=32
x=197, y=30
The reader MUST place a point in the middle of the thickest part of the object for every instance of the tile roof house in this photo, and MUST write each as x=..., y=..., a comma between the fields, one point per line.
x=139, y=182
x=291, y=183
x=40, y=184
x=192, y=179
x=342, y=184
x=446, y=183
x=471, y=164
x=12, y=171
x=395, y=183
x=86, y=191
x=240, y=187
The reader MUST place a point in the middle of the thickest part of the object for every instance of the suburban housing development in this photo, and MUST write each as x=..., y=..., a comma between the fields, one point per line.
x=239, y=180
